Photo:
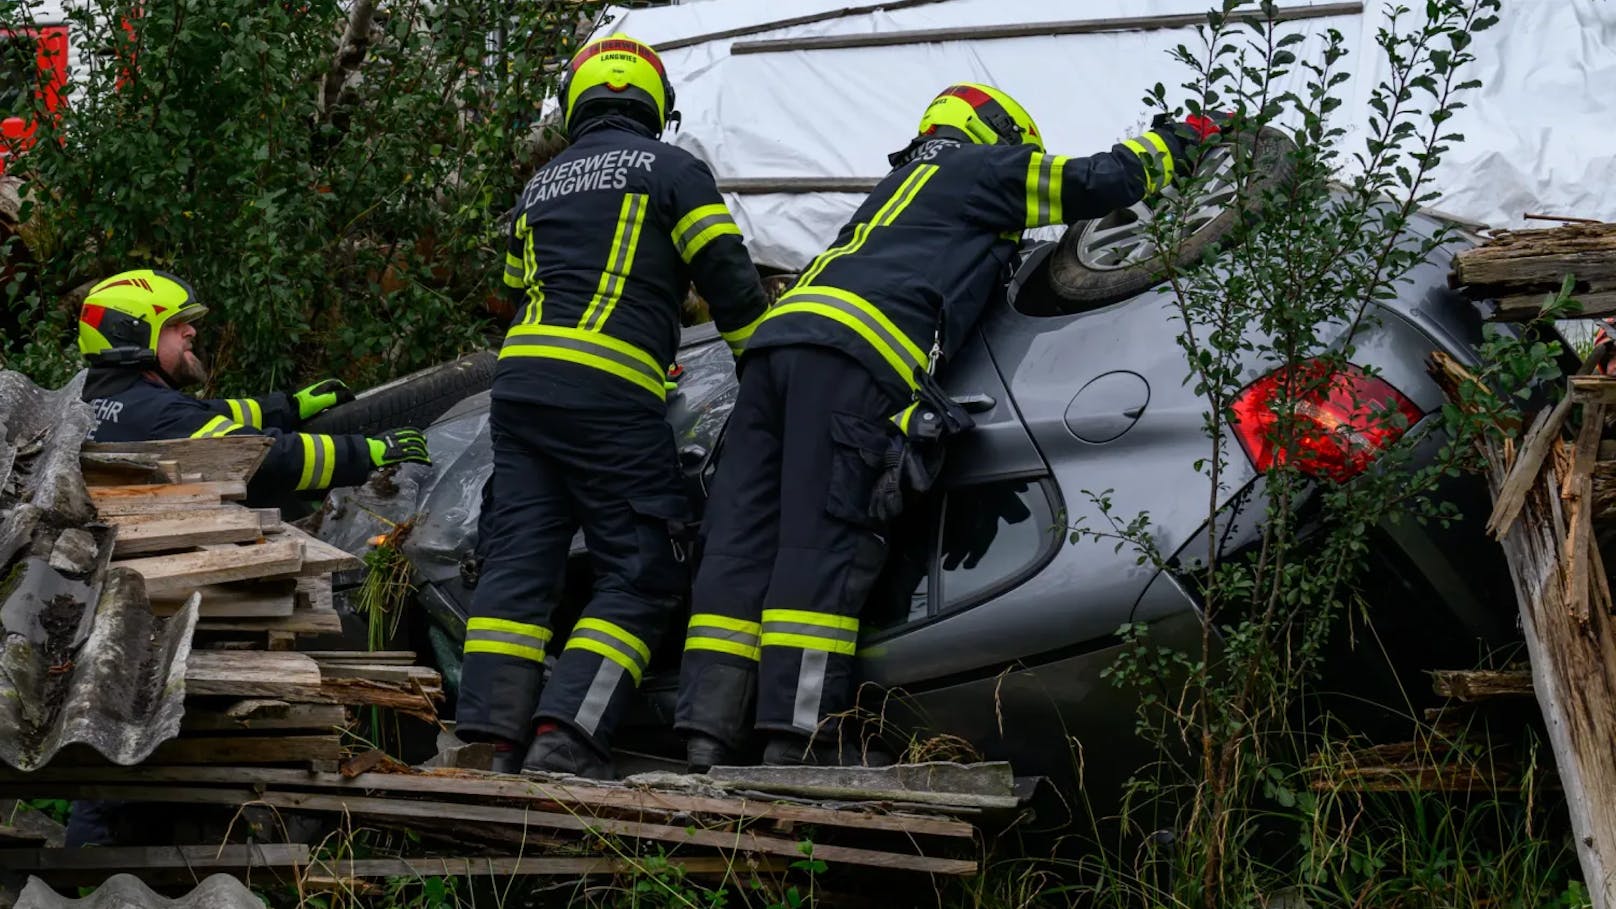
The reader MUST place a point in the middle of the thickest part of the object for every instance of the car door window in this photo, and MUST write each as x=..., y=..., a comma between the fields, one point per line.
x=957, y=548
x=994, y=534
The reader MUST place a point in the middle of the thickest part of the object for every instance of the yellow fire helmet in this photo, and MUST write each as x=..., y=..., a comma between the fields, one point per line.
x=122, y=316
x=982, y=114
x=618, y=68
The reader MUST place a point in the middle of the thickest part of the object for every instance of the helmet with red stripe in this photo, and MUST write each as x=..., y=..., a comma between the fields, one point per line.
x=123, y=315
x=981, y=114
x=617, y=73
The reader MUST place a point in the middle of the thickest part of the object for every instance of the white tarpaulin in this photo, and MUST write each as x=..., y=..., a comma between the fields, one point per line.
x=1538, y=132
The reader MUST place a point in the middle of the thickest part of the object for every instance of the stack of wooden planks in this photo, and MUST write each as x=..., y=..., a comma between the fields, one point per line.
x=1552, y=487
x=251, y=696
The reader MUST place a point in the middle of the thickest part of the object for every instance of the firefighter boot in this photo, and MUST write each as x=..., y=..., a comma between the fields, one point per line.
x=557, y=748
x=703, y=752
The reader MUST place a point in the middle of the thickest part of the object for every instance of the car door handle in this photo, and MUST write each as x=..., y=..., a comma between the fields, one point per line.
x=977, y=403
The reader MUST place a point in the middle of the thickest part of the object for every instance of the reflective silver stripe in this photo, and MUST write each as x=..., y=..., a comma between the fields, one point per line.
x=895, y=344
x=1046, y=166
x=810, y=690
x=599, y=696
x=520, y=343
x=724, y=634
x=505, y=637
x=685, y=240
x=317, y=470
x=612, y=642
x=813, y=631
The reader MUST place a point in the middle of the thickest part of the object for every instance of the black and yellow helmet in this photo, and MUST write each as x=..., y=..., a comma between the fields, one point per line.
x=619, y=69
x=981, y=114
x=122, y=316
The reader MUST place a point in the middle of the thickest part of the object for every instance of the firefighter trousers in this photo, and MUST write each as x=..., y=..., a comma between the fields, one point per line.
x=616, y=476
x=789, y=549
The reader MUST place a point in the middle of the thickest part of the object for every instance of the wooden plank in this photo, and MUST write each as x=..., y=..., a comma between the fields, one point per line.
x=1593, y=389
x=447, y=784
x=252, y=673
x=383, y=672
x=409, y=700
x=314, y=594
x=119, y=500
x=1526, y=307
x=1028, y=29
x=252, y=599
x=1534, y=448
x=262, y=714
x=301, y=621
x=1481, y=684
x=361, y=656
x=120, y=469
x=249, y=749
x=139, y=534
x=546, y=866
x=319, y=557
x=515, y=818
x=11, y=836
x=229, y=458
x=1580, y=486
x=170, y=575
x=149, y=858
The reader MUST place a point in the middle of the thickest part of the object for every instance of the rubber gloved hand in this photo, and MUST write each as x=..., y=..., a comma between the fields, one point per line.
x=1185, y=137
x=397, y=446
x=320, y=396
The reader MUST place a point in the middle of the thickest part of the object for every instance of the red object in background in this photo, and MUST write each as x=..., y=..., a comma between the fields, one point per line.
x=50, y=62
x=1345, y=419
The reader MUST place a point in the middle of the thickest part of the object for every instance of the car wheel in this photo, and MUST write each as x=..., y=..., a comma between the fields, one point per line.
x=413, y=400
x=1113, y=258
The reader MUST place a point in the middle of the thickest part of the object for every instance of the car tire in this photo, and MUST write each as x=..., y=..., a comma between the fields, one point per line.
x=413, y=400
x=1073, y=281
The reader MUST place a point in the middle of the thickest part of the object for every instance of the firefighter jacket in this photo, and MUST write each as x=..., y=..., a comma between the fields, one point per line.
x=133, y=407
x=927, y=251
x=606, y=240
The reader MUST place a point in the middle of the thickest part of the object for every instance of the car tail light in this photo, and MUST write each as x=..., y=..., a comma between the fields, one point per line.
x=1344, y=418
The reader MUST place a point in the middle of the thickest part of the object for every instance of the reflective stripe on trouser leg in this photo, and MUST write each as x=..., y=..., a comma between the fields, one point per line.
x=814, y=638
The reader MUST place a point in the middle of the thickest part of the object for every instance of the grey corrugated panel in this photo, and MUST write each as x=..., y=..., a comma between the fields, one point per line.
x=118, y=679
x=125, y=891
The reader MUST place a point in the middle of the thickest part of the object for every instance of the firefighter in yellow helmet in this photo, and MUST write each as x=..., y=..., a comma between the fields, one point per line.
x=606, y=239
x=137, y=332
x=837, y=394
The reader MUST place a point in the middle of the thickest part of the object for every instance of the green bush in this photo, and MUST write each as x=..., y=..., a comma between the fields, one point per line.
x=359, y=240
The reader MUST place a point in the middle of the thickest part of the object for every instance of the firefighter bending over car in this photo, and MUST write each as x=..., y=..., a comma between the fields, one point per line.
x=837, y=412
x=137, y=329
x=606, y=239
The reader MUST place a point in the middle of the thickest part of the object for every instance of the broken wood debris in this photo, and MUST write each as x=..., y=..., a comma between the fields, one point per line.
x=1521, y=268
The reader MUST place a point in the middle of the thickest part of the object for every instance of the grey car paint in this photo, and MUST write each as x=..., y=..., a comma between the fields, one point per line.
x=1081, y=403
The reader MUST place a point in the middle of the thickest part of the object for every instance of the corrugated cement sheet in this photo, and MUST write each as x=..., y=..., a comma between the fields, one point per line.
x=82, y=659
x=125, y=891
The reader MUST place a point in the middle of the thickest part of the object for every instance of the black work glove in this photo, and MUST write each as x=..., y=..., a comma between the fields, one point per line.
x=1185, y=137
x=397, y=446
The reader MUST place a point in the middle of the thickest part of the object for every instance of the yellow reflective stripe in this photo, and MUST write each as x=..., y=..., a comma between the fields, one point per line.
x=713, y=620
x=1044, y=189
x=619, y=261
x=701, y=226
x=864, y=331
x=235, y=410
x=505, y=648
x=615, y=631
x=1166, y=156
x=515, y=270
x=216, y=427
x=748, y=651
x=628, y=264
x=803, y=616
x=609, y=652
x=255, y=414
x=328, y=447
x=737, y=339
x=808, y=642
x=306, y=478
x=903, y=416
x=1145, y=158
x=480, y=623
x=588, y=348
x=594, y=338
x=884, y=216
x=863, y=318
